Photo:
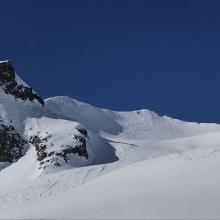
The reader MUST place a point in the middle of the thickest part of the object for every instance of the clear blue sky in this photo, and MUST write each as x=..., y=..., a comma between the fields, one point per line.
x=122, y=55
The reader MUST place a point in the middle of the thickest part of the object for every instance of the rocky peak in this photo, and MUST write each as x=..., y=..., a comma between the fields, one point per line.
x=10, y=85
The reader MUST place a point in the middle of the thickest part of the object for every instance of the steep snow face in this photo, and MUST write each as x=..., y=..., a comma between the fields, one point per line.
x=17, y=100
x=141, y=124
x=98, y=120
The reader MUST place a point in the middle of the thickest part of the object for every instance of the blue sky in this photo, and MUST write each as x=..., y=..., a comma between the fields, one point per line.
x=119, y=54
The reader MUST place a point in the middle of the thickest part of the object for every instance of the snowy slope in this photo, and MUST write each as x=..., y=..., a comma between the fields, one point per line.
x=183, y=171
x=176, y=186
x=80, y=161
x=140, y=124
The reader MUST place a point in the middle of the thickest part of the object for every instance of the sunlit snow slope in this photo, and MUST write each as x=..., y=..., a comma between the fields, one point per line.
x=84, y=162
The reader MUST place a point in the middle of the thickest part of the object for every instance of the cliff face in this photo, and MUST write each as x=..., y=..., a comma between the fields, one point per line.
x=17, y=101
x=11, y=144
x=10, y=85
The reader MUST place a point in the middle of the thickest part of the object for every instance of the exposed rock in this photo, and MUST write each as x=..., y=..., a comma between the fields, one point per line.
x=40, y=146
x=11, y=144
x=83, y=131
x=80, y=149
x=10, y=86
x=61, y=154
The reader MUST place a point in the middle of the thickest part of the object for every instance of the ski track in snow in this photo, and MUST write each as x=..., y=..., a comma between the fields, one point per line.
x=47, y=187
x=44, y=186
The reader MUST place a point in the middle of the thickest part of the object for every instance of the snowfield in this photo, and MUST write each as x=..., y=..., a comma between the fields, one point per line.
x=176, y=186
x=83, y=162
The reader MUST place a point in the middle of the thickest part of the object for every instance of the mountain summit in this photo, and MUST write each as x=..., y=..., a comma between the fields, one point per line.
x=65, y=132
x=62, y=158
x=11, y=84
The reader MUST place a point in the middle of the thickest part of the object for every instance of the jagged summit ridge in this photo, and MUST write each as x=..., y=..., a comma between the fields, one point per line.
x=10, y=86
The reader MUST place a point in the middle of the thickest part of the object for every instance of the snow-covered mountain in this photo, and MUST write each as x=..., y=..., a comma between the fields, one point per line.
x=65, y=159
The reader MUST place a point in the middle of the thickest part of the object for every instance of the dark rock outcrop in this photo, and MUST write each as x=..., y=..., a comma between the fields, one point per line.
x=11, y=144
x=47, y=157
x=10, y=86
x=83, y=131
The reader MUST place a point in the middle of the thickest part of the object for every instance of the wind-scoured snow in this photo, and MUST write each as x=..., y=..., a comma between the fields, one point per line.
x=140, y=124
